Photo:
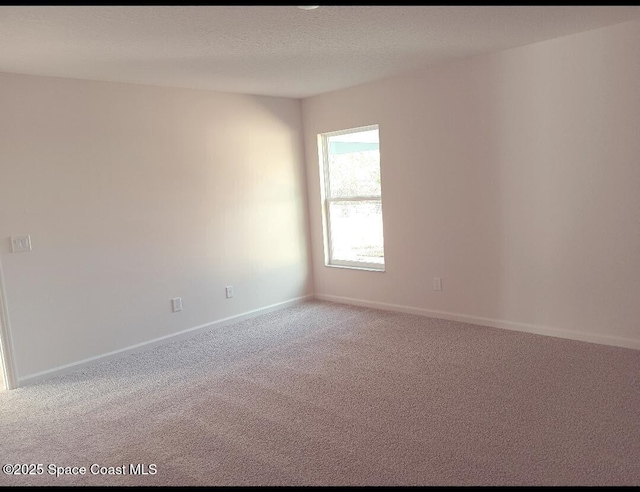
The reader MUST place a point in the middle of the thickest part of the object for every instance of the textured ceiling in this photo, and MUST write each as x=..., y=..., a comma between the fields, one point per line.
x=277, y=50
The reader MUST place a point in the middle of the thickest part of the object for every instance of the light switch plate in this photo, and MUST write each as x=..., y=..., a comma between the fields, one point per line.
x=20, y=244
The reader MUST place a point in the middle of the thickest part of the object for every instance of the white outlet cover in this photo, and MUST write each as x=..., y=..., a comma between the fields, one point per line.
x=437, y=283
x=176, y=304
x=229, y=291
x=21, y=244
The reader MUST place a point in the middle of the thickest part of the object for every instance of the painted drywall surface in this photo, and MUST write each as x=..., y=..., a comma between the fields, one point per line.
x=134, y=195
x=515, y=177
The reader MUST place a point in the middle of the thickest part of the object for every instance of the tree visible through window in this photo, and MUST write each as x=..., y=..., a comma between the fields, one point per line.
x=352, y=199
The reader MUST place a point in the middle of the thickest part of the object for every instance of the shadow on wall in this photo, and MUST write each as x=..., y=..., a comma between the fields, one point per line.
x=141, y=194
x=564, y=146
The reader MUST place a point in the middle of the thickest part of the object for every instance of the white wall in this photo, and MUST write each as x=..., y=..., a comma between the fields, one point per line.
x=514, y=176
x=134, y=195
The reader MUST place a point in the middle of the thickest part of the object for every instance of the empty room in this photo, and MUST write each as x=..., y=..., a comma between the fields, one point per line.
x=319, y=245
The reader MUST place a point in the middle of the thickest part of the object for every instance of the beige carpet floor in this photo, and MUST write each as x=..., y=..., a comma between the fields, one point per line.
x=329, y=394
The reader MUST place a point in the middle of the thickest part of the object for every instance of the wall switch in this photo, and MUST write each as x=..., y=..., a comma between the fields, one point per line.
x=437, y=283
x=176, y=304
x=229, y=291
x=20, y=244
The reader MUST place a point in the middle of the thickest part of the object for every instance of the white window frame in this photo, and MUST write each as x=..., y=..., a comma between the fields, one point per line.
x=323, y=160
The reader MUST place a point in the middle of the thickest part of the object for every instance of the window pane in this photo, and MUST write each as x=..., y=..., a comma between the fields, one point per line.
x=356, y=231
x=354, y=164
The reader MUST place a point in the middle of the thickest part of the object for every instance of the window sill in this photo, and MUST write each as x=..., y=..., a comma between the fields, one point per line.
x=366, y=269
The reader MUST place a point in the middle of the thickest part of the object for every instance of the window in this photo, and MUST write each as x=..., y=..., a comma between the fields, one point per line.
x=352, y=198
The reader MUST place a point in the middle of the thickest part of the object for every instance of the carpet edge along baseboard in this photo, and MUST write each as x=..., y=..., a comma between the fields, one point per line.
x=490, y=322
x=139, y=347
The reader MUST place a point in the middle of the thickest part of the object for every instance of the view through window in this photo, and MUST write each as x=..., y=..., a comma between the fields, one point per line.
x=352, y=198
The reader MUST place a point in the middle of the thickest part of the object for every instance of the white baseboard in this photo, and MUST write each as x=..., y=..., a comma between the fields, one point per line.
x=139, y=347
x=494, y=323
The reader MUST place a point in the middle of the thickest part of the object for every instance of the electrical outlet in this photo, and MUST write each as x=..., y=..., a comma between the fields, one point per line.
x=229, y=291
x=20, y=244
x=437, y=283
x=176, y=304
